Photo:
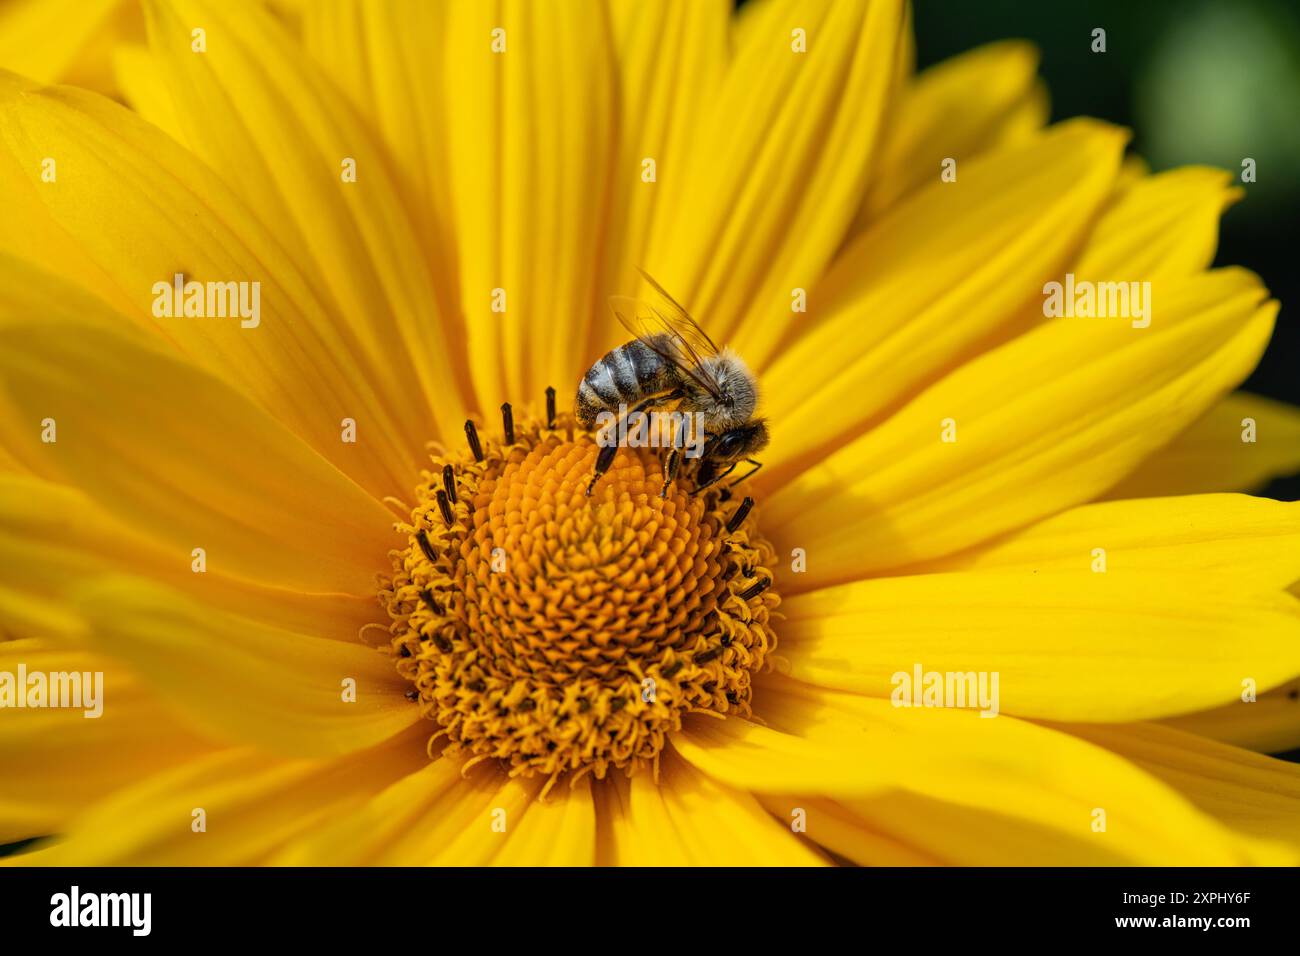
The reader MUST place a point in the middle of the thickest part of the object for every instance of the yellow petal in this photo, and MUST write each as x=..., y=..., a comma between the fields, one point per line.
x=1042, y=779
x=1162, y=225
x=241, y=679
x=57, y=761
x=30, y=233
x=561, y=831
x=1240, y=444
x=145, y=86
x=44, y=38
x=439, y=816
x=252, y=804
x=1134, y=170
x=1065, y=645
x=276, y=129
x=53, y=538
x=1255, y=540
x=860, y=838
x=181, y=456
x=691, y=819
x=384, y=828
x=1269, y=724
x=671, y=58
x=442, y=817
x=781, y=164
x=131, y=197
x=386, y=57
x=957, y=109
x=926, y=286
x=1044, y=422
x=529, y=179
x=1252, y=794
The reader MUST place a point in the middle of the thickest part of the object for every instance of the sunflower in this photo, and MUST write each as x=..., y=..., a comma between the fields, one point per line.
x=334, y=557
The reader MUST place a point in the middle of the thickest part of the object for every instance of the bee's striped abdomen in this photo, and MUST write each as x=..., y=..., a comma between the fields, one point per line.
x=625, y=375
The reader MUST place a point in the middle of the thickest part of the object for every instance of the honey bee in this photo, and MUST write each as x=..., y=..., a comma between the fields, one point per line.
x=672, y=363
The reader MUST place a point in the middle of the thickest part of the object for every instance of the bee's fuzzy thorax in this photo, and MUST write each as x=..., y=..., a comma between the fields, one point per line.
x=739, y=392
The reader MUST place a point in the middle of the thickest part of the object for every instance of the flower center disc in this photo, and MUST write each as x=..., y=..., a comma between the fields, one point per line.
x=558, y=632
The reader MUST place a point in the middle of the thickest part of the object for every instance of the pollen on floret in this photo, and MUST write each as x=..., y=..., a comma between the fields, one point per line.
x=562, y=634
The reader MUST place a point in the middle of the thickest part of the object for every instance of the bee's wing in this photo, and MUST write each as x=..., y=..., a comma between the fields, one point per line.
x=654, y=331
x=697, y=341
x=665, y=327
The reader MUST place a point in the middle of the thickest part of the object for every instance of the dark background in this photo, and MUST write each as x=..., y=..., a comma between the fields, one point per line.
x=1198, y=81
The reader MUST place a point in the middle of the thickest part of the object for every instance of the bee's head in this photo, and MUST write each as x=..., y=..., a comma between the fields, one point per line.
x=738, y=442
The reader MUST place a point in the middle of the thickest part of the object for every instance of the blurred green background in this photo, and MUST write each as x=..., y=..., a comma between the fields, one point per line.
x=1198, y=81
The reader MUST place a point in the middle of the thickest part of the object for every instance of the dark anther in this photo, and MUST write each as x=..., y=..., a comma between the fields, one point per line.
x=444, y=645
x=726, y=640
x=671, y=669
x=584, y=705
x=477, y=685
x=711, y=654
x=405, y=651
x=449, y=482
x=412, y=695
x=445, y=507
x=732, y=698
x=755, y=589
x=427, y=597
x=527, y=704
x=709, y=686
x=550, y=745
x=616, y=704
x=550, y=407
x=730, y=573
x=471, y=433
x=425, y=546
x=508, y=422
x=741, y=514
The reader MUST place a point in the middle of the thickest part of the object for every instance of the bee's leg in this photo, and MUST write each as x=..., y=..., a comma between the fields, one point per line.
x=749, y=474
x=604, y=459
x=673, y=462
x=714, y=479
x=606, y=456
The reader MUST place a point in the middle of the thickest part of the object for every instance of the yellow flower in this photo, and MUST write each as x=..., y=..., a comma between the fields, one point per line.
x=236, y=519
